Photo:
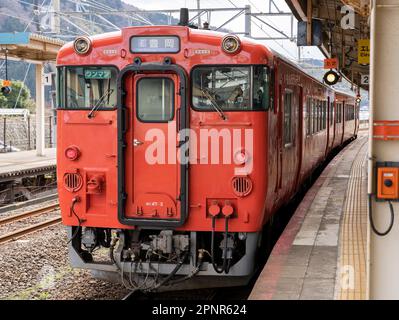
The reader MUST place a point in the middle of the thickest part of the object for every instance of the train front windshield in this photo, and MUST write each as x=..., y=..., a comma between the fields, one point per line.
x=86, y=87
x=230, y=88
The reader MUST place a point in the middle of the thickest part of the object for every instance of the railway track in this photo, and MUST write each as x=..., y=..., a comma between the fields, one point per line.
x=28, y=214
x=13, y=235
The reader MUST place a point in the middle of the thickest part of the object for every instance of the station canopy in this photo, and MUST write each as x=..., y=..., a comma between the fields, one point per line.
x=343, y=33
x=30, y=47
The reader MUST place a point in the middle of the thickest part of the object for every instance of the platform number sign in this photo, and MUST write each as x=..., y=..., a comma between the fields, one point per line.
x=48, y=79
x=365, y=79
x=363, y=51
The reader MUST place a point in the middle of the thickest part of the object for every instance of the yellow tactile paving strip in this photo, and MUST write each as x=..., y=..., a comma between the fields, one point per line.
x=351, y=273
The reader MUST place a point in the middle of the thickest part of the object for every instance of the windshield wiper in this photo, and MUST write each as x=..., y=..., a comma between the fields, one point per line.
x=214, y=104
x=107, y=94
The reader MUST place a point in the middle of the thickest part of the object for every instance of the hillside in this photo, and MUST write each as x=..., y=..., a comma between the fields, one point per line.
x=19, y=15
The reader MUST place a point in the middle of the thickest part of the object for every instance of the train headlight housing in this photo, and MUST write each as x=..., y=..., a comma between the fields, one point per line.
x=72, y=153
x=82, y=45
x=358, y=99
x=231, y=44
x=331, y=77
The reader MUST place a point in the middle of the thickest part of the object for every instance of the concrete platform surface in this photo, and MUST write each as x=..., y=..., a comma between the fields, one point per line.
x=25, y=161
x=321, y=253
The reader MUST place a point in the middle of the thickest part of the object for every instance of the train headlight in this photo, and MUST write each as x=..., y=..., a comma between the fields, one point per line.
x=82, y=45
x=358, y=99
x=231, y=43
x=331, y=77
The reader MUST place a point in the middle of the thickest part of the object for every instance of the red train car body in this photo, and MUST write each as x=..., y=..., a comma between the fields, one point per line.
x=177, y=145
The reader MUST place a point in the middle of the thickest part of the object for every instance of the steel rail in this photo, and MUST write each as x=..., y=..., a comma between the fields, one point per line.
x=27, y=214
x=28, y=230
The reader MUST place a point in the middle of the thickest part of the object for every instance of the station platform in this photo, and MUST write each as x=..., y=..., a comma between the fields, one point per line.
x=25, y=163
x=321, y=254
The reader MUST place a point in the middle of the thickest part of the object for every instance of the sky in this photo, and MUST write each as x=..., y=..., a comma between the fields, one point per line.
x=284, y=47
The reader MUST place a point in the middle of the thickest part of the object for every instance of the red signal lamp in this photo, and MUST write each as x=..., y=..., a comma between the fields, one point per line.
x=72, y=153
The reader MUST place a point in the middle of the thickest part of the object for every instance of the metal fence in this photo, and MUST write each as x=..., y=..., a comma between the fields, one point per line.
x=18, y=133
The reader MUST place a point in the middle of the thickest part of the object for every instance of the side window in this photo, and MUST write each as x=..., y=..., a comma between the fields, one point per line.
x=261, y=88
x=351, y=112
x=288, y=100
x=309, y=116
x=155, y=99
x=341, y=108
x=314, y=116
x=331, y=113
x=318, y=115
x=60, y=87
x=338, y=108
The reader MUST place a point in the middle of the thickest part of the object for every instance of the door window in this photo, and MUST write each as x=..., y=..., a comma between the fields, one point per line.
x=155, y=99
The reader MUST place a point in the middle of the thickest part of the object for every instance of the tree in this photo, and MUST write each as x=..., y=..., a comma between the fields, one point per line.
x=24, y=101
x=3, y=101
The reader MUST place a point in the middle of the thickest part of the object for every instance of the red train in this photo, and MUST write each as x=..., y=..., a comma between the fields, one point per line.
x=177, y=145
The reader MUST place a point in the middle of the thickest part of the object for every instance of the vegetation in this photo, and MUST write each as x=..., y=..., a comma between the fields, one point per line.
x=24, y=101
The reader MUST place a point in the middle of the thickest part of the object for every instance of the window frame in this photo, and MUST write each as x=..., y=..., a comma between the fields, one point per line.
x=64, y=99
x=325, y=110
x=251, y=79
x=173, y=100
x=309, y=118
x=331, y=114
x=289, y=92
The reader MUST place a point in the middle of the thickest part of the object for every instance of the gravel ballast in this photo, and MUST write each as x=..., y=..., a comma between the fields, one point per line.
x=37, y=267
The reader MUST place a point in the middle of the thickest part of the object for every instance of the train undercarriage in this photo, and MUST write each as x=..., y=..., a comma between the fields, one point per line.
x=160, y=260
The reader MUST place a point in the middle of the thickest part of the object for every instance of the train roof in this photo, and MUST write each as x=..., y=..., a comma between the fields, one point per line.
x=199, y=35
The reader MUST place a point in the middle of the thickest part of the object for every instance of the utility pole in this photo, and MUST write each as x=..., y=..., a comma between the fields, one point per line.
x=199, y=15
x=56, y=17
x=36, y=18
x=248, y=21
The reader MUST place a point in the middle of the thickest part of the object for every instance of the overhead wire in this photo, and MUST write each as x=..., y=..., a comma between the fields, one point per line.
x=27, y=26
x=261, y=29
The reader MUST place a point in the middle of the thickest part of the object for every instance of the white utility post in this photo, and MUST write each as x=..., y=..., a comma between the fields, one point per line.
x=383, y=251
x=39, y=110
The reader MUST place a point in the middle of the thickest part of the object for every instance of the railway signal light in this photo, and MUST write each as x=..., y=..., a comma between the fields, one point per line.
x=6, y=90
x=331, y=77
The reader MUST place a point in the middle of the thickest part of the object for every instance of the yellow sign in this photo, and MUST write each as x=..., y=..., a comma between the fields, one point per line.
x=6, y=83
x=363, y=51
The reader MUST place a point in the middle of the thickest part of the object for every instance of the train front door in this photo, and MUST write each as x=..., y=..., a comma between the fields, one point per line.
x=153, y=170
